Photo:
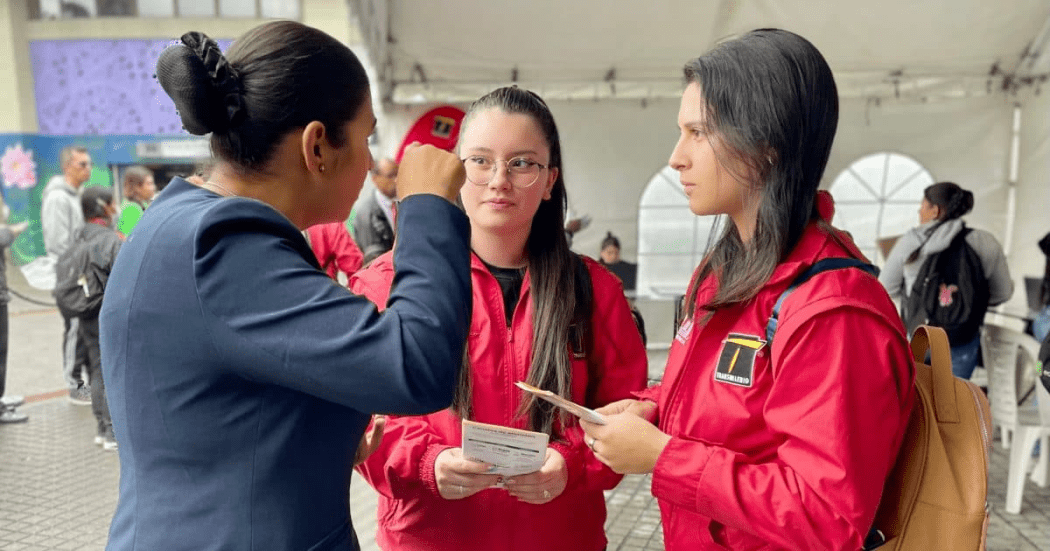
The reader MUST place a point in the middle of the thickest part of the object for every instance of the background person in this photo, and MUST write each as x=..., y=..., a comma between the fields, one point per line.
x=1041, y=323
x=335, y=250
x=8, y=404
x=940, y=220
x=62, y=219
x=240, y=378
x=102, y=243
x=756, y=444
x=609, y=257
x=542, y=315
x=139, y=189
x=374, y=222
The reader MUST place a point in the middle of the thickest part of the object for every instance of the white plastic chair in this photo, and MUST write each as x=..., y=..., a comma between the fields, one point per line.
x=1009, y=356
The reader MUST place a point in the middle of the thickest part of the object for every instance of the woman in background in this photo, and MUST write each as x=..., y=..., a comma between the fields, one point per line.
x=940, y=221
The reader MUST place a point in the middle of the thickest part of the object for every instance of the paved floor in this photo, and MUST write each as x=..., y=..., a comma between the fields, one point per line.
x=59, y=489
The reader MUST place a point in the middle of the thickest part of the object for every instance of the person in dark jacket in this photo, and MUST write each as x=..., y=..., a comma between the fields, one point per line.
x=240, y=378
x=103, y=243
x=1041, y=323
x=374, y=222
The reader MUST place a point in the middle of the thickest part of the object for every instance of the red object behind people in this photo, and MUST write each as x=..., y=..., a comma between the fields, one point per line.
x=438, y=127
x=412, y=514
x=798, y=458
x=334, y=248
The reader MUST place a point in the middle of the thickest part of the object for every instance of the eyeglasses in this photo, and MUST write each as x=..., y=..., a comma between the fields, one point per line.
x=521, y=172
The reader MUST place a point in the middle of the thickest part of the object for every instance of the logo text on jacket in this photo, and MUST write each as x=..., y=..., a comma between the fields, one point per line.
x=736, y=363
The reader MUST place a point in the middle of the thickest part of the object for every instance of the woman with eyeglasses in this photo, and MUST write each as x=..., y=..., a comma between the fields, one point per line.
x=756, y=443
x=543, y=315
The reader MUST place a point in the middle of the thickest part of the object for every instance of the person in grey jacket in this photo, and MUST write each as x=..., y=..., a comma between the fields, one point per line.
x=940, y=213
x=62, y=220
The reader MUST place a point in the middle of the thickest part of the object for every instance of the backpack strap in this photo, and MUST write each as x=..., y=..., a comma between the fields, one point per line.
x=823, y=265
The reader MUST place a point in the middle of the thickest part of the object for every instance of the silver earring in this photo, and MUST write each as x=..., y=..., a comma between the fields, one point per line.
x=320, y=168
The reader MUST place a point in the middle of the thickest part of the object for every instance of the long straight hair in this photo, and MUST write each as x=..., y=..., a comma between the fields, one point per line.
x=561, y=299
x=771, y=104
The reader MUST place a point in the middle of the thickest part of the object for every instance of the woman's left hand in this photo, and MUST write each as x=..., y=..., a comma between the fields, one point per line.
x=627, y=443
x=543, y=485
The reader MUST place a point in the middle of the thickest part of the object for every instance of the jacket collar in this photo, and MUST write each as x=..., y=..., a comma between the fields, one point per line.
x=478, y=265
x=813, y=242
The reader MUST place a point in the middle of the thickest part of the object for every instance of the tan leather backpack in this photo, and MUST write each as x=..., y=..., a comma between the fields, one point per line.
x=936, y=495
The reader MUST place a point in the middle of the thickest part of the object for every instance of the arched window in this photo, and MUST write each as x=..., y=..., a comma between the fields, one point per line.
x=671, y=239
x=878, y=197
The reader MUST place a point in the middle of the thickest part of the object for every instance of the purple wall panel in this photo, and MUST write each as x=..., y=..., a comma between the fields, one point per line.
x=98, y=87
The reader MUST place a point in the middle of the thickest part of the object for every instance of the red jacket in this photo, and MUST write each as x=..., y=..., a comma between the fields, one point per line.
x=334, y=248
x=796, y=460
x=413, y=515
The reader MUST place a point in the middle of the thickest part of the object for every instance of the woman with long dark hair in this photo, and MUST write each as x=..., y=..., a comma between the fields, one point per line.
x=542, y=315
x=754, y=444
x=240, y=378
x=940, y=221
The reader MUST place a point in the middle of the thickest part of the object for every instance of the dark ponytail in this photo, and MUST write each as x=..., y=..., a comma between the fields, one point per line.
x=954, y=203
x=610, y=239
x=277, y=78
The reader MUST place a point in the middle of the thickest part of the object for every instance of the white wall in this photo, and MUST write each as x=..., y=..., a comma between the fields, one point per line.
x=17, y=110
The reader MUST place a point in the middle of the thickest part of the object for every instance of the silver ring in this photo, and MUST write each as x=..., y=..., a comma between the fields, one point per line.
x=591, y=444
x=546, y=494
x=460, y=489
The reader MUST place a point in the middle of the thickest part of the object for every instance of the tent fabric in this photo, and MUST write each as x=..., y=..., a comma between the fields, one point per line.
x=634, y=48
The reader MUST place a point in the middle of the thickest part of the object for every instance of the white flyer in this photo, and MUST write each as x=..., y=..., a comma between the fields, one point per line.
x=510, y=451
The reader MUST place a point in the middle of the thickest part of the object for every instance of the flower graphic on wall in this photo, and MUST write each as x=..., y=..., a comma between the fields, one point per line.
x=18, y=168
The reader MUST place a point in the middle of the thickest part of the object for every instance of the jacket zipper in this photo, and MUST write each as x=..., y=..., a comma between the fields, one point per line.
x=676, y=384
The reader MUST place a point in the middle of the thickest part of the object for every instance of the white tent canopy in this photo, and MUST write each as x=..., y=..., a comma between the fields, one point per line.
x=451, y=51
x=940, y=82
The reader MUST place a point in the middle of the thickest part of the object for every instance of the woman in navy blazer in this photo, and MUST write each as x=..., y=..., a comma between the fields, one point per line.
x=240, y=377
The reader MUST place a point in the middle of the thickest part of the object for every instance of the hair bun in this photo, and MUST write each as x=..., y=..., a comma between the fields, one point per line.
x=205, y=88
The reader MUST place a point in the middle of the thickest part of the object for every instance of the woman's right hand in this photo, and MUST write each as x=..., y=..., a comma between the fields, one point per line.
x=427, y=169
x=458, y=477
x=642, y=408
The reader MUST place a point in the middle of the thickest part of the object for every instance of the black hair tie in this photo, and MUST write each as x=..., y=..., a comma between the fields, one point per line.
x=224, y=78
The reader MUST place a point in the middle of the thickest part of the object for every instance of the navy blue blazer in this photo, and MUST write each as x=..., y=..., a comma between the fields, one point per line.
x=240, y=377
